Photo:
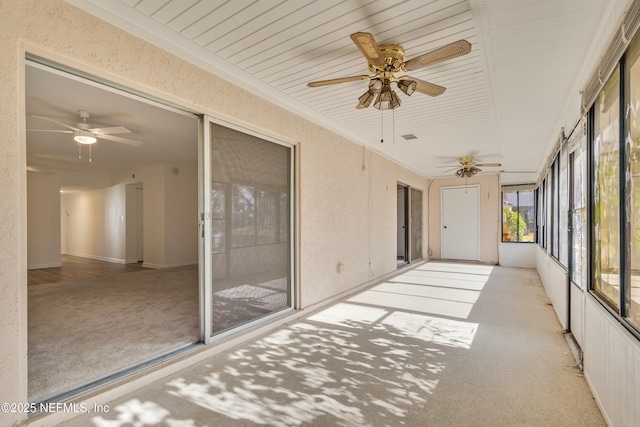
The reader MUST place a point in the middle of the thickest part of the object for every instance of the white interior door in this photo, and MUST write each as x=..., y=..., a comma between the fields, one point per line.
x=460, y=223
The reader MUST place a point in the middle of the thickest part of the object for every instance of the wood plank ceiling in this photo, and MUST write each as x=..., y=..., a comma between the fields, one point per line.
x=502, y=103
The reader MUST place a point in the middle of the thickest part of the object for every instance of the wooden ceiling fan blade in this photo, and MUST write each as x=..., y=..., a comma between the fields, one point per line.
x=110, y=130
x=451, y=169
x=452, y=50
x=338, y=80
x=120, y=139
x=56, y=122
x=427, y=88
x=369, y=48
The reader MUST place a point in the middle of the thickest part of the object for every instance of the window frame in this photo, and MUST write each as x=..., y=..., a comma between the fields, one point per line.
x=519, y=189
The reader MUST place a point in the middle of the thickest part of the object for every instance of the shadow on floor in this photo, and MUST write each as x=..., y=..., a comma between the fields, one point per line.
x=441, y=344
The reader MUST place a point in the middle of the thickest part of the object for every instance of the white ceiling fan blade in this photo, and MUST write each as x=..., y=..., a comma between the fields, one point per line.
x=121, y=140
x=110, y=130
x=56, y=122
x=49, y=130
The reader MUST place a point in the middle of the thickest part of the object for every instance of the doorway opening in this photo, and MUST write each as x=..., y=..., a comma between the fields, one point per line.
x=409, y=224
x=402, y=253
x=112, y=232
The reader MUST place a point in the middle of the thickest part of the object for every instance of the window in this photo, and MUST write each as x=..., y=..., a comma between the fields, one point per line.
x=555, y=207
x=606, y=192
x=563, y=206
x=632, y=169
x=578, y=203
x=541, y=217
x=518, y=215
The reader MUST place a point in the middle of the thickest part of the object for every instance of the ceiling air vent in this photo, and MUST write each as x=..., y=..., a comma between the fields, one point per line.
x=409, y=136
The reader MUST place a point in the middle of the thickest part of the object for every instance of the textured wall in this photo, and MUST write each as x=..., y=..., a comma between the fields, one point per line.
x=347, y=213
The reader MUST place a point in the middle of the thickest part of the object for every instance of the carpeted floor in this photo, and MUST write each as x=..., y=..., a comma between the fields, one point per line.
x=83, y=329
x=443, y=344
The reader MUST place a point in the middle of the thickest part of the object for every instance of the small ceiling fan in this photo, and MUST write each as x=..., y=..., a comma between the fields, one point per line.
x=387, y=60
x=468, y=167
x=83, y=133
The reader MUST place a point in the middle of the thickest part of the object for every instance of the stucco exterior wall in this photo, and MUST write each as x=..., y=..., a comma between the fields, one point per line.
x=347, y=214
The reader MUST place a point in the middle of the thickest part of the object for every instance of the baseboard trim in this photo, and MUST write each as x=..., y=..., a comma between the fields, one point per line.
x=50, y=265
x=97, y=257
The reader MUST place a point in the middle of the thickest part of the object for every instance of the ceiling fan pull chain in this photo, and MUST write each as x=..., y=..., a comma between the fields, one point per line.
x=393, y=117
x=89, y=153
x=79, y=151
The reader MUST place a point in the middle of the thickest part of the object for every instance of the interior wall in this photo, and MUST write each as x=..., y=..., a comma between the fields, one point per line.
x=489, y=215
x=337, y=198
x=43, y=217
x=554, y=279
x=181, y=211
x=131, y=246
x=517, y=254
x=170, y=214
x=95, y=224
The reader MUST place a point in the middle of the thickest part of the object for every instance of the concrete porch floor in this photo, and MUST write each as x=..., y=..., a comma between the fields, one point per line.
x=441, y=344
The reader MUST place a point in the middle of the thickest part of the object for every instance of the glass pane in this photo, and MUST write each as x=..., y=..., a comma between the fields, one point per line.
x=579, y=216
x=606, y=194
x=548, y=197
x=555, y=208
x=526, y=209
x=416, y=224
x=518, y=216
x=511, y=220
x=252, y=275
x=563, y=204
x=633, y=182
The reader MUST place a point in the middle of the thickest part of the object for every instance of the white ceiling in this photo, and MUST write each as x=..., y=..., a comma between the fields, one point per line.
x=167, y=136
x=502, y=103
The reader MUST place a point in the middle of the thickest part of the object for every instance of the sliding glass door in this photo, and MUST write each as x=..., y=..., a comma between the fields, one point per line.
x=248, y=229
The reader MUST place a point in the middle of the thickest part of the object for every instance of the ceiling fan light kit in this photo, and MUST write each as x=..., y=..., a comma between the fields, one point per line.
x=387, y=99
x=84, y=137
x=469, y=167
x=386, y=60
x=407, y=86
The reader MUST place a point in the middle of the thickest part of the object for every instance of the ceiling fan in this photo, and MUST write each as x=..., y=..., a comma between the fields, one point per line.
x=387, y=60
x=468, y=167
x=83, y=133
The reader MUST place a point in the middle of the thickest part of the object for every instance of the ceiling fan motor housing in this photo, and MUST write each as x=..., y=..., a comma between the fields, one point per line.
x=393, y=58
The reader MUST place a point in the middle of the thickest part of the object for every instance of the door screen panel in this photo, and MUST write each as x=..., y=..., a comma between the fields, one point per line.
x=251, y=250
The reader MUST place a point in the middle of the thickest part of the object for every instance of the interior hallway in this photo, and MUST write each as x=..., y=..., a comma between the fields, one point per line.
x=442, y=344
